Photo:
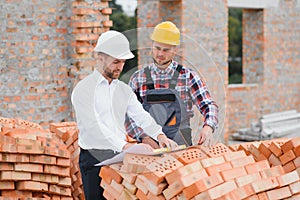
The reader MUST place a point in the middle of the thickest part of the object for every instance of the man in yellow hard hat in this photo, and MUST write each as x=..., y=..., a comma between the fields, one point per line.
x=100, y=102
x=159, y=85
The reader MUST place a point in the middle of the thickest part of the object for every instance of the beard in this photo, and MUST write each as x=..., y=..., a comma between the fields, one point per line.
x=112, y=74
x=161, y=64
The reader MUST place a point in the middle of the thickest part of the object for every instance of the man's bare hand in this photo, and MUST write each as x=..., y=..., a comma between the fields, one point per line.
x=148, y=140
x=206, y=136
x=166, y=142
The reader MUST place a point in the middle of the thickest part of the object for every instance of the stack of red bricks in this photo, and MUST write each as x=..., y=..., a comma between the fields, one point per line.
x=68, y=132
x=34, y=163
x=258, y=170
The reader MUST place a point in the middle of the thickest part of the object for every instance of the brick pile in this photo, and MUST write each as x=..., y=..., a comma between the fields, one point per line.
x=257, y=170
x=34, y=163
x=68, y=132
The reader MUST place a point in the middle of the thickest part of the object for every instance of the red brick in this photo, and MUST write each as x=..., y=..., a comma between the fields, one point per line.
x=234, y=155
x=7, y=185
x=23, y=141
x=161, y=167
x=287, y=157
x=183, y=171
x=297, y=150
x=65, y=181
x=214, y=169
x=221, y=189
x=258, y=156
x=272, y=172
x=63, y=162
x=202, y=185
x=288, y=167
x=131, y=187
x=141, y=195
x=290, y=144
x=107, y=173
x=28, y=167
x=15, y=193
x=240, y=162
x=274, y=160
x=264, y=149
x=189, y=155
x=106, y=11
x=60, y=190
x=137, y=163
x=43, y=159
x=297, y=162
x=141, y=184
x=56, y=170
x=78, y=24
x=117, y=186
x=279, y=193
x=275, y=149
x=108, y=23
x=30, y=149
x=206, y=162
x=288, y=178
x=244, y=180
x=156, y=197
x=156, y=189
x=125, y=195
x=183, y=182
x=233, y=173
x=264, y=184
x=295, y=187
x=45, y=178
x=6, y=166
x=31, y=185
x=262, y=196
x=242, y=192
x=256, y=167
x=216, y=150
x=13, y=175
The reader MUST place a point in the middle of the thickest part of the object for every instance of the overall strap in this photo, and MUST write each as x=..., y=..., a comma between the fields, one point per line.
x=149, y=80
x=173, y=81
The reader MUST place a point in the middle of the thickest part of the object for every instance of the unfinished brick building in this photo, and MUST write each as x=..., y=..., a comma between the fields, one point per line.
x=46, y=46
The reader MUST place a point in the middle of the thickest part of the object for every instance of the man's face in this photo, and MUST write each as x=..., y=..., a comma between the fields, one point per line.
x=163, y=54
x=112, y=67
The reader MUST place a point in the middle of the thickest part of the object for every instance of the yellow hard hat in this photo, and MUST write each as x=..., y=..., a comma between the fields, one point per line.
x=167, y=33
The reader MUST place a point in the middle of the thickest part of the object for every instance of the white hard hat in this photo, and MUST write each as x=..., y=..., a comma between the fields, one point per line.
x=114, y=44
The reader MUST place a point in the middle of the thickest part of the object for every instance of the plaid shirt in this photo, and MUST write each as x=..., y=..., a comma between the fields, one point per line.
x=191, y=88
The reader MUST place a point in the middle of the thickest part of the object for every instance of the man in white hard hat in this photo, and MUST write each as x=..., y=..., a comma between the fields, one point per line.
x=100, y=102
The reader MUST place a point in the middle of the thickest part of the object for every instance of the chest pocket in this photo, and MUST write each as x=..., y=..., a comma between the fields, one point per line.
x=167, y=108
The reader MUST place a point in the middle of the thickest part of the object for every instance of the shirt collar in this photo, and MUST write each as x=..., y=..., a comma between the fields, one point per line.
x=100, y=78
x=168, y=70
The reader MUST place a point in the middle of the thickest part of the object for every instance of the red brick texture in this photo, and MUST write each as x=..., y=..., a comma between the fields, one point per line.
x=220, y=172
x=39, y=164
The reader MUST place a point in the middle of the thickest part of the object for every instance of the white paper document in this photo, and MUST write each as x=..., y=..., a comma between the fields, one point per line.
x=136, y=148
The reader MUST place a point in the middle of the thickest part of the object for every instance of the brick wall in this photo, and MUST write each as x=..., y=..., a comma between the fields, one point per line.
x=276, y=61
x=271, y=70
x=44, y=47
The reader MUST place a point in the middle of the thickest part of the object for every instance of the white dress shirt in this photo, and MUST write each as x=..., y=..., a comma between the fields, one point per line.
x=100, y=110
